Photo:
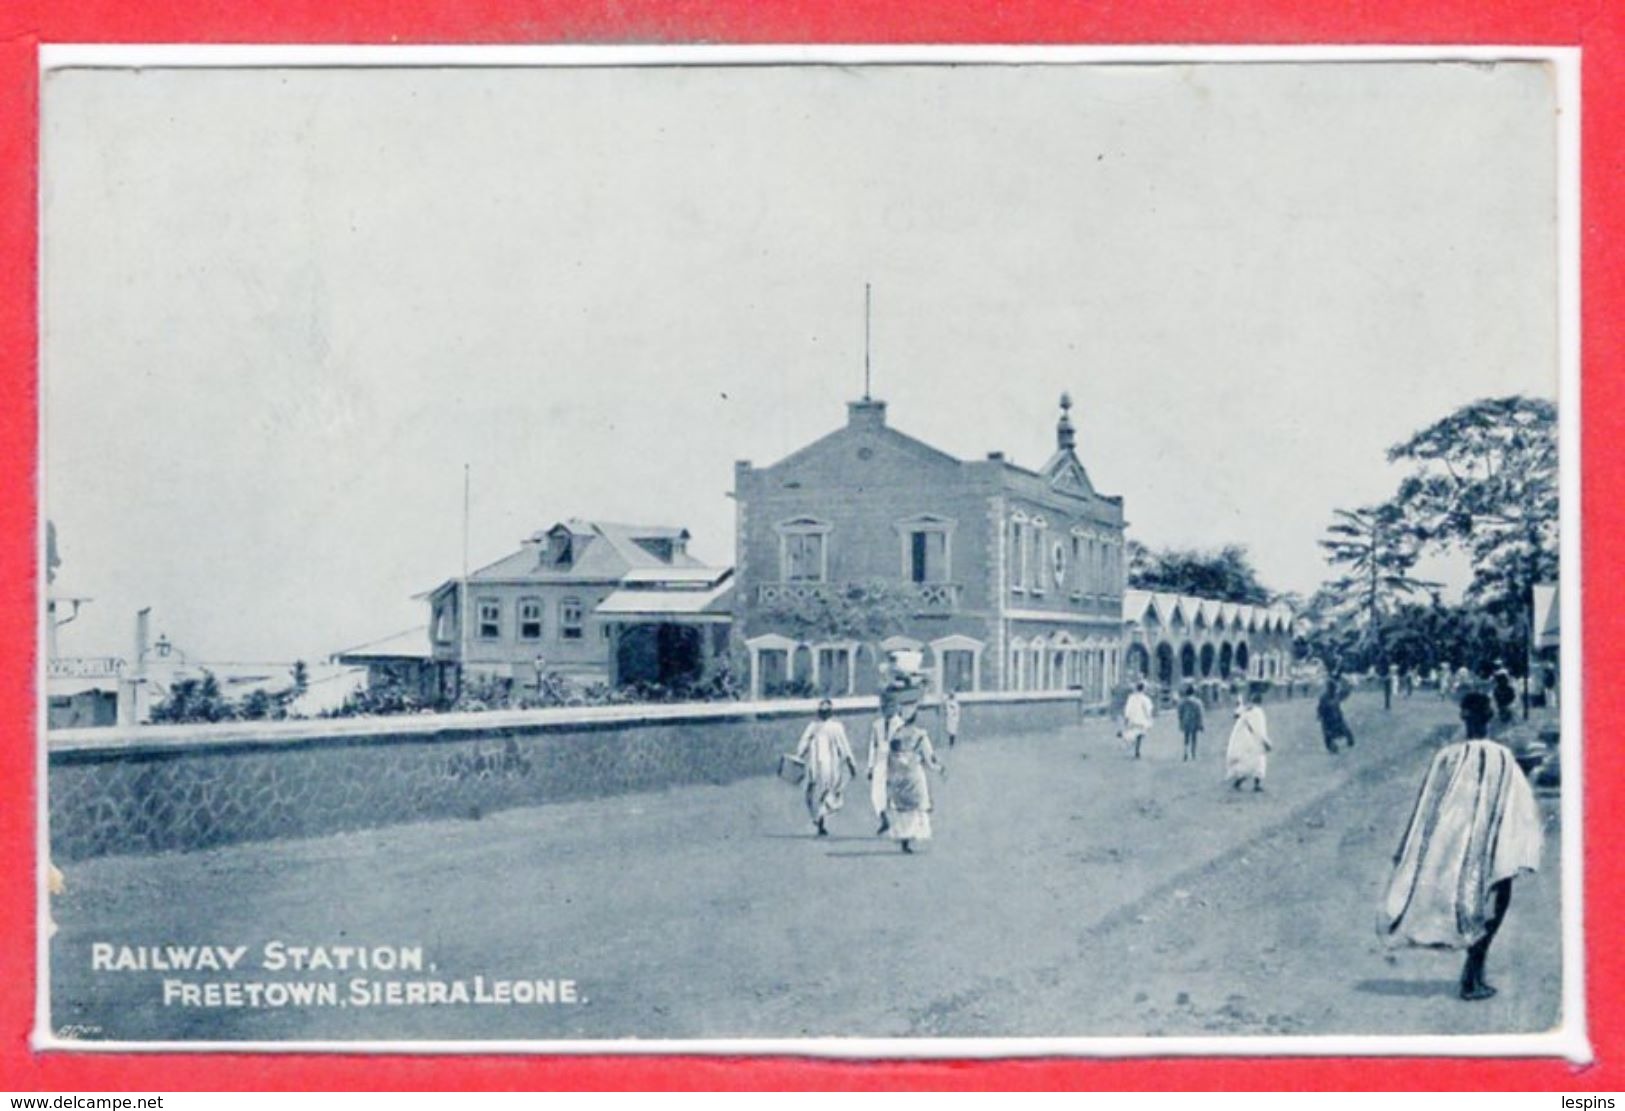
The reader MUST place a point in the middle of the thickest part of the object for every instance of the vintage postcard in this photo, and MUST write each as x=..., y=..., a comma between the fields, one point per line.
x=853, y=551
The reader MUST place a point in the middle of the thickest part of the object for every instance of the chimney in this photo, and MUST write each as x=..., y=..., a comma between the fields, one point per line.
x=995, y=457
x=867, y=413
x=1066, y=437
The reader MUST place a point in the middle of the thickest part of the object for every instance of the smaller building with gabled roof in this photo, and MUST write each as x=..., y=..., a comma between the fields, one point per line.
x=596, y=601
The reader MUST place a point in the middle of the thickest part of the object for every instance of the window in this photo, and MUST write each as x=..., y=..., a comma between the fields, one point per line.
x=530, y=619
x=925, y=549
x=775, y=670
x=445, y=621
x=1038, y=556
x=803, y=551
x=958, y=670
x=1080, y=569
x=1018, y=553
x=833, y=665
x=570, y=619
x=490, y=618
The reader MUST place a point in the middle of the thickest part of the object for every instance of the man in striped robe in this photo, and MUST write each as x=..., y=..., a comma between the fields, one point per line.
x=1475, y=827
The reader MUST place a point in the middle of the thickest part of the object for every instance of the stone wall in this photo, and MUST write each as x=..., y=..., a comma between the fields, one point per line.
x=158, y=789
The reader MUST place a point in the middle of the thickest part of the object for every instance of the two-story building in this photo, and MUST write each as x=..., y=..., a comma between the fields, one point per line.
x=1013, y=578
x=590, y=600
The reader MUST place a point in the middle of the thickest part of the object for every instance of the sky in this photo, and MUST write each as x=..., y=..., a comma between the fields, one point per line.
x=283, y=308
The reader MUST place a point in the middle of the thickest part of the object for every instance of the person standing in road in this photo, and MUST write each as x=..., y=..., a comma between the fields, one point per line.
x=1333, y=725
x=908, y=795
x=950, y=717
x=1191, y=720
x=880, y=735
x=827, y=756
x=1505, y=693
x=1246, y=756
x=1475, y=827
x=1138, y=713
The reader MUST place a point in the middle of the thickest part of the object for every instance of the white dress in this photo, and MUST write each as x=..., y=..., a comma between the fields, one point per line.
x=1245, y=756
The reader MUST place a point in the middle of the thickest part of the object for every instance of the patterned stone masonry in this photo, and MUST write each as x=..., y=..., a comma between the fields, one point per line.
x=143, y=799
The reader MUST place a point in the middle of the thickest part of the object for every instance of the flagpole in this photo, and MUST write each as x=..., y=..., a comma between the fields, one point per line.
x=466, y=616
x=866, y=396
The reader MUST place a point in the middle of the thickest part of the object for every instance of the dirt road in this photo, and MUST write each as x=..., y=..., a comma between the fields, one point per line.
x=1069, y=890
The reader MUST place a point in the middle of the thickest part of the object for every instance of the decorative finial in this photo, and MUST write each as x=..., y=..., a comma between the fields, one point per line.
x=1065, y=436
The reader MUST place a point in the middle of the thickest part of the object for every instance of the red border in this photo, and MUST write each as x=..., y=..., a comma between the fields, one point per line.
x=1597, y=26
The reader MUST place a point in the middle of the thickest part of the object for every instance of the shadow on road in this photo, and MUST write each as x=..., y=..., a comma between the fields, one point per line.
x=1411, y=989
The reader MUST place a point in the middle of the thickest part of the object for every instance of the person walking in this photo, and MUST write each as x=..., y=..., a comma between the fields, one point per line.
x=1475, y=827
x=880, y=735
x=1505, y=693
x=1138, y=713
x=827, y=756
x=1333, y=725
x=950, y=717
x=1191, y=720
x=1246, y=756
x=908, y=795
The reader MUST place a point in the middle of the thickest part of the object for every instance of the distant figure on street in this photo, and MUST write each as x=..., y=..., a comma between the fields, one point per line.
x=1407, y=682
x=1477, y=711
x=1333, y=725
x=1191, y=720
x=950, y=717
x=880, y=735
x=1475, y=827
x=1505, y=694
x=908, y=795
x=1246, y=756
x=1390, y=687
x=827, y=755
x=1137, y=714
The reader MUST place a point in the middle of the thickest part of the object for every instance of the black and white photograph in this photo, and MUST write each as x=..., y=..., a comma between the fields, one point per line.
x=839, y=551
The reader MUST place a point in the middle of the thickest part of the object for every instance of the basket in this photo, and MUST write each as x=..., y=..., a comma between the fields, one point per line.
x=792, y=770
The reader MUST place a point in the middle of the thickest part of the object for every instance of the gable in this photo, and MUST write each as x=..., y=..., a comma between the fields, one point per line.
x=1067, y=475
x=859, y=456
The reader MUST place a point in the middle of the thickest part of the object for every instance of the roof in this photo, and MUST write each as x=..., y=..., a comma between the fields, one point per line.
x=603, y=551
x=1160, y=607
x=701, y=576
x=412, y=644
x=717, y=602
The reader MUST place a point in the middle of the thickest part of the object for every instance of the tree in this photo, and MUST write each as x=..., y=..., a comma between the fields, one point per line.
x=193, y=700
x=1376, y=548
x=866, y=611
x=1225, y=574
x=1485, y=480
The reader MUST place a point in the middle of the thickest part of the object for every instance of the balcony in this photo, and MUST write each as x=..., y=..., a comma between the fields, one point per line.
x=930, y=599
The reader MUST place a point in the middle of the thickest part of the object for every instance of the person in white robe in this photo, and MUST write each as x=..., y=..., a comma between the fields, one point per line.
x=880, y=735
x=1138, y=712
x=1474, y=829
x=908, y=794
x=1246, y=756
x=827, y=756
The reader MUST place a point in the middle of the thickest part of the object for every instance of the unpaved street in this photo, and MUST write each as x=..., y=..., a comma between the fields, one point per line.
x=1069, y=891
